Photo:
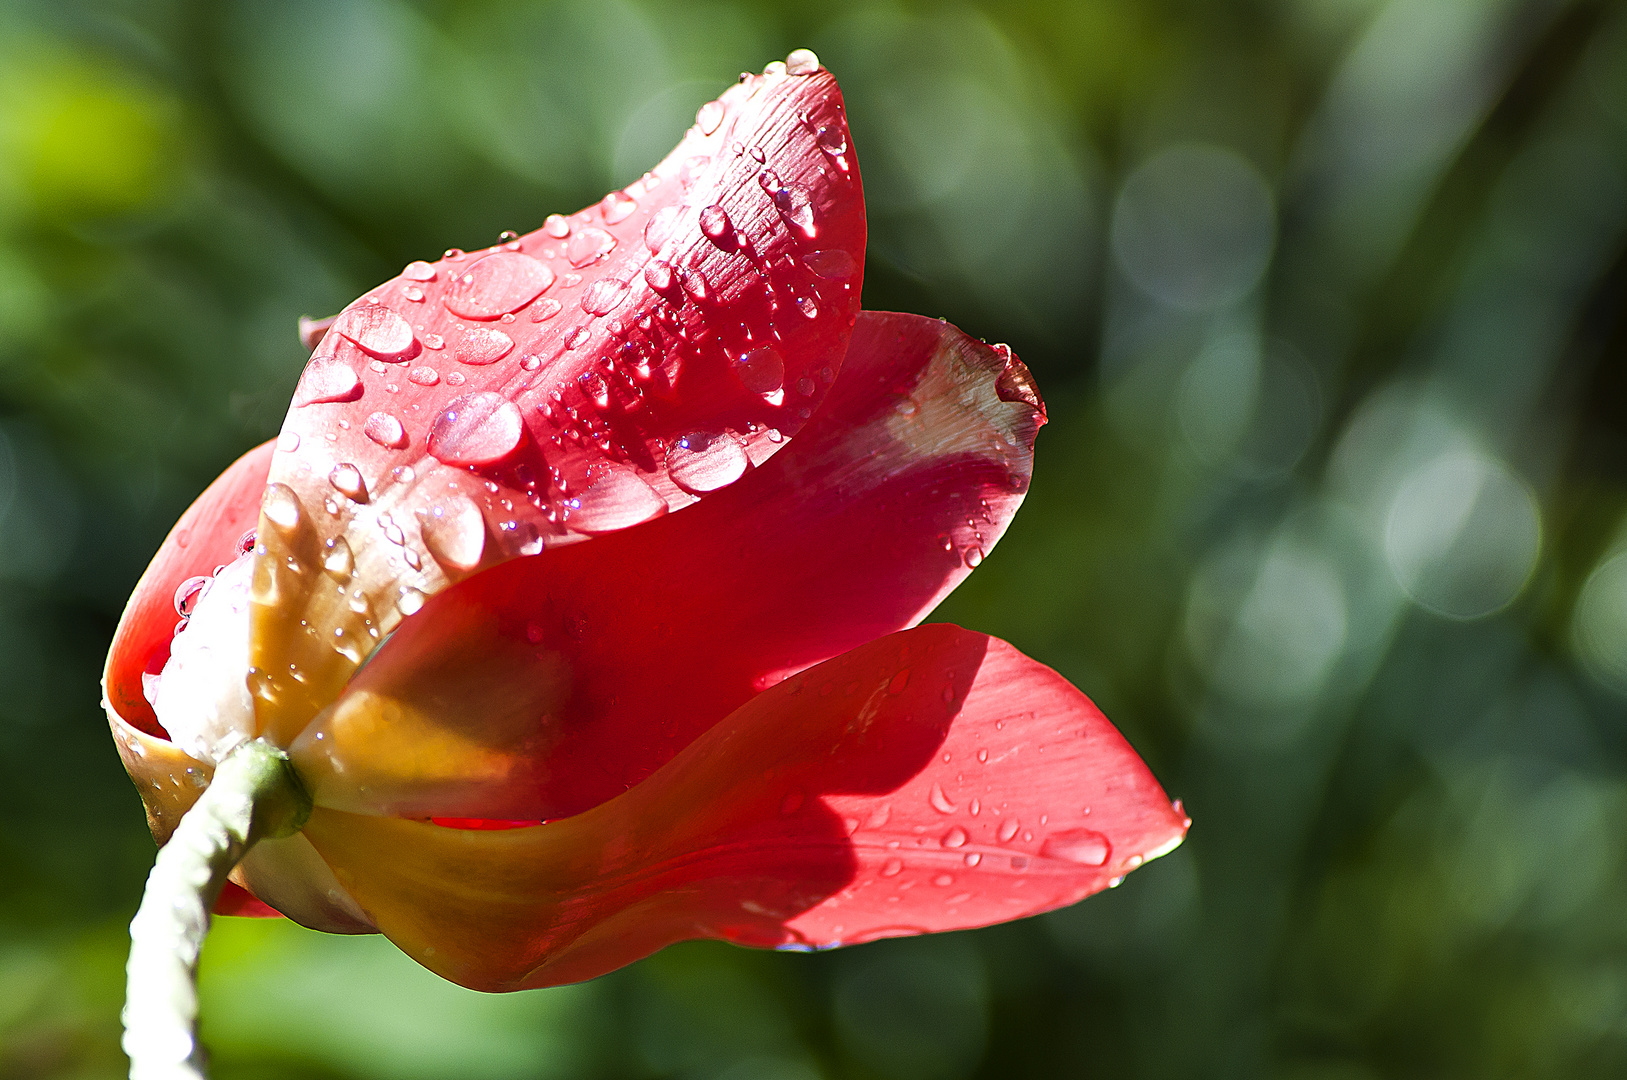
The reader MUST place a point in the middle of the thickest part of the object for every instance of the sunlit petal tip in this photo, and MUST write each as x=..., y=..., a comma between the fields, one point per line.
x=613, y=365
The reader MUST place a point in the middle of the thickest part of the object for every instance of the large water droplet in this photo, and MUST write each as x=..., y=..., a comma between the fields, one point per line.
x=940, y=802
x=603, y=296
x=715, y=224
x=281, y=507
x=614, y=498
x=498, y=284
x=378, y=331
x=703, y=462
x=1008, y=829
x=1078, y=846
x=423, y=375
x=419, y=270
x=347, y=481
x=476, y=429
x=832, y=263
x=482, y=345
x=708, y=118
x=556, y=226
x=892, y=867
x=617, y=206
x=454, y=532
x=659, y=227
x=386, y=430
x=831, y=140
x=410, y=601
x=801, y=62
x=762, y=371
x=589, y=246
x=326, y=379
x=955, y=838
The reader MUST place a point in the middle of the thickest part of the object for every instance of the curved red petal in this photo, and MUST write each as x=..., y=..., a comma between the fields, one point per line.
x=934, y=779
x=236, y=900
x=577, y=380
x=551, y=684
x=206, y=537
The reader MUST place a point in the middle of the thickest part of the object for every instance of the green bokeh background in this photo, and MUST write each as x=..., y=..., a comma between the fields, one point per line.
x=1326, y=297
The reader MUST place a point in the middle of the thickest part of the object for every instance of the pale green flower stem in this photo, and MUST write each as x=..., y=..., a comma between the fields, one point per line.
x=254, y=795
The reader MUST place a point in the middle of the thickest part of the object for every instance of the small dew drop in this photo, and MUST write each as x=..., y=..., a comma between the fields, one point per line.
x=386, y=430
x=418, y=270
x=556, y=226
x=892, y=867
x=940, y=802
x=410, y=601
x=801, y=62
x=715, y=224
x=347, y=481
x=708, y=118
x=337, y=559
x=1080, y=846
x=454, y=532
x=955, y=837
x=617, y=206
x=476, y=429
x=423, y=375
x=281, y=507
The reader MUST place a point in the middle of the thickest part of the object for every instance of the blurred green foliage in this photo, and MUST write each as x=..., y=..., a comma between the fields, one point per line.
x=1327, y=300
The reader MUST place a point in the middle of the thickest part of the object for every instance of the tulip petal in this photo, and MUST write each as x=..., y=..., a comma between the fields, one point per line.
x=586, y=377
x=543, y=687
x=934, y=779
x=206, y=537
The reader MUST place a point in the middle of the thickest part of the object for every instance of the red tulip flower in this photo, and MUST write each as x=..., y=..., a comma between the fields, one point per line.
x=576, y=604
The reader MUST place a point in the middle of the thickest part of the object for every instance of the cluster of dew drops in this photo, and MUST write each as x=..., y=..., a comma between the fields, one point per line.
x=480, y=428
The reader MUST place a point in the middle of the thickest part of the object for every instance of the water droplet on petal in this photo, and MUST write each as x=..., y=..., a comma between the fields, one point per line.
x=973, y=558
x=940, y=802
x=831, y=263
x=556, y=226
x=423, y=375
x=326, y=379
x=187, y=594
x=892, y=867
x=617, y=206
x=702, y=462
x=498, y=284
x=413, y=293
x=476, y=429
x=338, y=560
x=943, y=881
x=347, y=480
x=694, y=283
x=659, y=276
x=1078, y=846
x=377, y=331
x=589, y=246
x=808, y=306
x=410, y=601
x=898, y=682
x=801, y=62
x=481, y=345
x=1016, y=383
x=603, y=296
x=831, y=140
x=715, y=224
x=955, y=837
x=614, y=498
x=386, y=430
x=288, y=441
x=419, y=270
x=708, y=118
x=762, y=371
x=659, y=227
x=796, y=207
x=1008, y=829
x=545, y=309
x=434, y=341
x=281, y=507
x=454, y=532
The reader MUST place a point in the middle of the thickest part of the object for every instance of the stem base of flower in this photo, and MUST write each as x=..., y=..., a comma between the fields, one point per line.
x=254, y=795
